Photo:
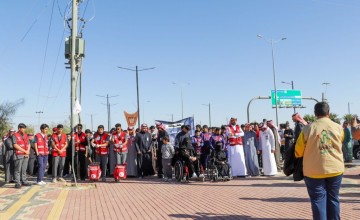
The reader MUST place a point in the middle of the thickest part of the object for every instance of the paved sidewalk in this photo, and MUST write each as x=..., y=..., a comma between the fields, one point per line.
x=151, y=198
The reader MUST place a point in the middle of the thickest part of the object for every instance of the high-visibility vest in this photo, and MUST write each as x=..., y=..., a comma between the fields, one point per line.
x=22, y=141
x=235, y=139
x=82, y=138
x=101, y=139
x=60, y=144
x=42, y=144
x=120, y=139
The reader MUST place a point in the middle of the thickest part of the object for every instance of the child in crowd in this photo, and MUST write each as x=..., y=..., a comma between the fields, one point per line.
x=168, y=152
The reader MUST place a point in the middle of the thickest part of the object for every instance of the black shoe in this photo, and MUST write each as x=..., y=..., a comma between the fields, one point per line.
x=104, y=179
x=17, y=186
x=26, y=184
x=160, y=176
x=12, y=181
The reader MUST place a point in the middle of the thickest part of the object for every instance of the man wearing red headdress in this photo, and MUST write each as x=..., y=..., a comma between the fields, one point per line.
x=235, y=148
x=299, y=125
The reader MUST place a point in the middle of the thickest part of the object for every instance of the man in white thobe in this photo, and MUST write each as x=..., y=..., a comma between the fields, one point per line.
x=267, y=148
x=235, y=149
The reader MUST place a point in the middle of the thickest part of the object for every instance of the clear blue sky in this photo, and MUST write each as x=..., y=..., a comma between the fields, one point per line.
x=210, y=44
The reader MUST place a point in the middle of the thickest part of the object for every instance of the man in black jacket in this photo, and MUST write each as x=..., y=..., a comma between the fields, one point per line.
x=143, y=143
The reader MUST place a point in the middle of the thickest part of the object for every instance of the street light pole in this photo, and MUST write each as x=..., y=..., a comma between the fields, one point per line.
x=209, y=113
x=274, y=74
x=182, y=99
x=137, y=87
x=108, y=106
x=349, y=108
x=39, y=112
x=324, y=97
x=292, y=87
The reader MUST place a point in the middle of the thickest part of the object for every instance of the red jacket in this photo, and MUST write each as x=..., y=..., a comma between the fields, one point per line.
x=236, y=139
x=101, y=140
x=22, y=141
x=82, y=138
x=42, y=144
x=118, y=140
x=60, y=144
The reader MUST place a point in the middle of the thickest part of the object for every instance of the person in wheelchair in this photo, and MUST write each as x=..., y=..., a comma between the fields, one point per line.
x=187, y=155
x=219, y=160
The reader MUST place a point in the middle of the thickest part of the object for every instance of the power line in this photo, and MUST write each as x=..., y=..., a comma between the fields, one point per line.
x=46, y=48
x=56, y=62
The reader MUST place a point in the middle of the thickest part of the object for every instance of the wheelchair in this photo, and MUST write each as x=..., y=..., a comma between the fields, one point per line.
x=181, y=171
x=213, y=172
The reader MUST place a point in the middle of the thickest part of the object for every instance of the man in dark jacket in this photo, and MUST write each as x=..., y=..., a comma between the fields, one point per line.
x=143, y=143
x=9, y=157
x=184, y=133
x=161, y=134
x=288, y=135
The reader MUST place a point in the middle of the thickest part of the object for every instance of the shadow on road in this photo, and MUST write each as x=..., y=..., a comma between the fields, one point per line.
x=355, y=177
x=279, y=199
x=198, y=216
x=356, y=195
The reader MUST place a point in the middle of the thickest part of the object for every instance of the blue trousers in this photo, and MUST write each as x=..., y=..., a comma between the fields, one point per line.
x=42, y=162
x=324, y=196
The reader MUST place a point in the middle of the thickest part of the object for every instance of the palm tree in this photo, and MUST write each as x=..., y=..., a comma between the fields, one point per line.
x=334, y=118
x=348, y=117
x=309, y=118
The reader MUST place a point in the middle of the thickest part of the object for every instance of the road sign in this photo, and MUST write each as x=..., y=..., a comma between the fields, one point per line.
x=286, y=98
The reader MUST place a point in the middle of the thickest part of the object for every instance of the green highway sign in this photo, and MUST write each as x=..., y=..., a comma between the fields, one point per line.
x=286, y=98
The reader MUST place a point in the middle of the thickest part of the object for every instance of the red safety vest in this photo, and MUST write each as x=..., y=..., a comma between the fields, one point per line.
x=82, y=138
x=101, y=140
x=22, y=141
x=60, y=144
x=235, y=140
x=42, y=144
x=119, y=139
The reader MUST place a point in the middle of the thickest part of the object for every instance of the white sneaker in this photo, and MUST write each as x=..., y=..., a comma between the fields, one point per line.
x=42, y=182
x=54, y=180
x=201, y=176
x=194, y=175
x=39, y=183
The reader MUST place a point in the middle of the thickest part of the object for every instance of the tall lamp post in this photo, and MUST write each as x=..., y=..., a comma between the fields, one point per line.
x=209, y=113
x=324, y=97
x=272, y=42
x=182, y=100
x=292, y=87
x=136, y=70
x=39, y=112
x=108, y=106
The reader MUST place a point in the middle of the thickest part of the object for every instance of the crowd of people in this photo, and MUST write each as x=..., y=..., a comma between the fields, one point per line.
x=244, y=150
x=250, y=149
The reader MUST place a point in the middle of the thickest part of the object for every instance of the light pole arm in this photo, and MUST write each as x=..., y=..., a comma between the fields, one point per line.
x=248, y=107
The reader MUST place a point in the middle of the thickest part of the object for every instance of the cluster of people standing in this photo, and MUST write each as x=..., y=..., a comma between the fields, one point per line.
x=145, y=151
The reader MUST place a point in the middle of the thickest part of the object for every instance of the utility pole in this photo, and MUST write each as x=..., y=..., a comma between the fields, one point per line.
x=39, y=112
x=349, y=108
x=73, y=63
x=137, y=87
x=108, y=106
